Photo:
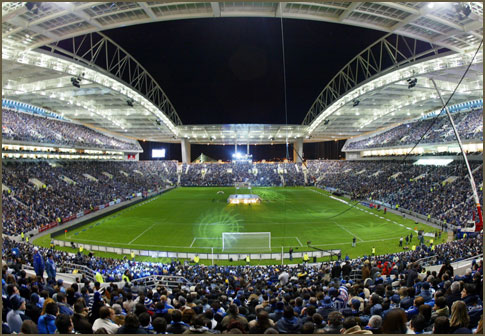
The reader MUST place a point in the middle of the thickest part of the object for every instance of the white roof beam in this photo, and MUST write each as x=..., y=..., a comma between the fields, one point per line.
x=280, y=7
x=445, y=22
x=396, y=5
x=416, y=15
x=349, y=10
x=216, y=9
x=13, y=14
x=147, y=10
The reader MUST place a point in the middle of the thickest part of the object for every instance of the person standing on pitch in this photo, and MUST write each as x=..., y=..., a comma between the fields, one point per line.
x=400, y=242
x=373, y=251
x=305, y=258
x=353, y=242
x=291, y=253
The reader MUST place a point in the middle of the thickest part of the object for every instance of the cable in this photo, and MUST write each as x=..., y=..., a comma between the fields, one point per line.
x=427, y=130
x=446, y=104
x=284, y=85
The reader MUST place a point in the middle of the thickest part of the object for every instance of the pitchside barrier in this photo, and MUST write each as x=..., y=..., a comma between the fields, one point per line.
x=297, y=256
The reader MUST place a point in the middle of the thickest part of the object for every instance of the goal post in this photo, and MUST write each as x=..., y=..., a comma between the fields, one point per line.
x=246, y=241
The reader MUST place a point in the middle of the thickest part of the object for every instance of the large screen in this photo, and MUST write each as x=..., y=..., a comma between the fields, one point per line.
x=158, y=153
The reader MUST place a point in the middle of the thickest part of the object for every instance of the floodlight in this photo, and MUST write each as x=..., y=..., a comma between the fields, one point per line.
x=75, y=82
x=412, y=82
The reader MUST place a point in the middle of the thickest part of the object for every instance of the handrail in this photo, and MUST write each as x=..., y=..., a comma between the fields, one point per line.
x=69, y=267
x=89, y=273
x=152, y=281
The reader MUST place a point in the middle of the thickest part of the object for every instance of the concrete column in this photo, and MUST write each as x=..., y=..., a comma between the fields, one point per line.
x=185, y=151
x=247, y=149
x=298, y=150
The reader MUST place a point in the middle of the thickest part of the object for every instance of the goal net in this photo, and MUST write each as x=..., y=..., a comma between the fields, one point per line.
x=246, y=241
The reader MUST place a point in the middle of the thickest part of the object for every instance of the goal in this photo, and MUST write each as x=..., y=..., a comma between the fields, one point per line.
x=246, y=241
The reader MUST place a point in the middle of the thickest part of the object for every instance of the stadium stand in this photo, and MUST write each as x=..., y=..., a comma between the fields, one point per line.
x=469, y=125
x=22, y=126
x=66, y=189
x=42, y=193
x=422, y=189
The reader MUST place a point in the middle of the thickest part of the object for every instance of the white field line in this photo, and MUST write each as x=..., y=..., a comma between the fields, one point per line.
x=193, y=241
x=364, y=241
x=299, y=242
x=220, y=238
x=141, y=234
x=353, y=235
x=83, y=241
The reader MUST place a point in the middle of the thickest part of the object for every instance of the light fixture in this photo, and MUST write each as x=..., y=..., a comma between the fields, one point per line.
x=130, y=102
x=412, y=82
x=463, y=10
x=76, y=81
x=355, y=102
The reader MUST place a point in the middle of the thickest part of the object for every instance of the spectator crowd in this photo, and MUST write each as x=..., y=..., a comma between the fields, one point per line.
x=34, y=128
x=392, y=294
x=469, y=126
x=67, y=188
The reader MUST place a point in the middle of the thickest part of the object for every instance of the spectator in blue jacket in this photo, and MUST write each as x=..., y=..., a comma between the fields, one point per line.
x=38, y=263
x=63, y=305
x=50, y=267
x=289, y=324
x=426, y=293
x=47, y=322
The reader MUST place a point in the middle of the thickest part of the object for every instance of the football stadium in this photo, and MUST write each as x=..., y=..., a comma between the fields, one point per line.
x=242, y=167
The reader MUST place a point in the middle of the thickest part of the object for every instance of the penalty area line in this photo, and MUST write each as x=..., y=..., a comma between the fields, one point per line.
x=340, y=226
x=140, y=234
x=193, y=241
x=299, y=242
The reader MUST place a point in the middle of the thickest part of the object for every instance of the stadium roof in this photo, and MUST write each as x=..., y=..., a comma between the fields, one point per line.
x=116, y=93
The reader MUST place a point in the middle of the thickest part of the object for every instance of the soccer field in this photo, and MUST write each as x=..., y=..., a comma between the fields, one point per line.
x=193, y=220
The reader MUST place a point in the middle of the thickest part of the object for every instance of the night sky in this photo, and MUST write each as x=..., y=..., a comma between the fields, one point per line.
x=230, y=70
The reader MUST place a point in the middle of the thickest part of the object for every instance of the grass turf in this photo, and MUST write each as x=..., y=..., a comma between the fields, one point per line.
x=193, y=219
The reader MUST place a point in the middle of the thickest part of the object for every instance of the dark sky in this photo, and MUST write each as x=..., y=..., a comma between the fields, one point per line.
x=230, y=70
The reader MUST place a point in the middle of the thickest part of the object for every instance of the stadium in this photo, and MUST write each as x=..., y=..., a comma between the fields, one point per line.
x=242, y=167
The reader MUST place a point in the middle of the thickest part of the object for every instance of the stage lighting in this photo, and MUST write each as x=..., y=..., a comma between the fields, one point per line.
x=76, y=82
x=412, y=82
x=355, y=102
x=33, y=7
x=462, y=10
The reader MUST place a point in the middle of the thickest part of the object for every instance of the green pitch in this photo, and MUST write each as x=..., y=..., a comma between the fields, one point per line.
x=193, y=220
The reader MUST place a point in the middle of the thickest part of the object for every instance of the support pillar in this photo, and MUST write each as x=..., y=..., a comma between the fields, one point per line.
x=247, y=149
x=298, y=150
x=185, y=150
